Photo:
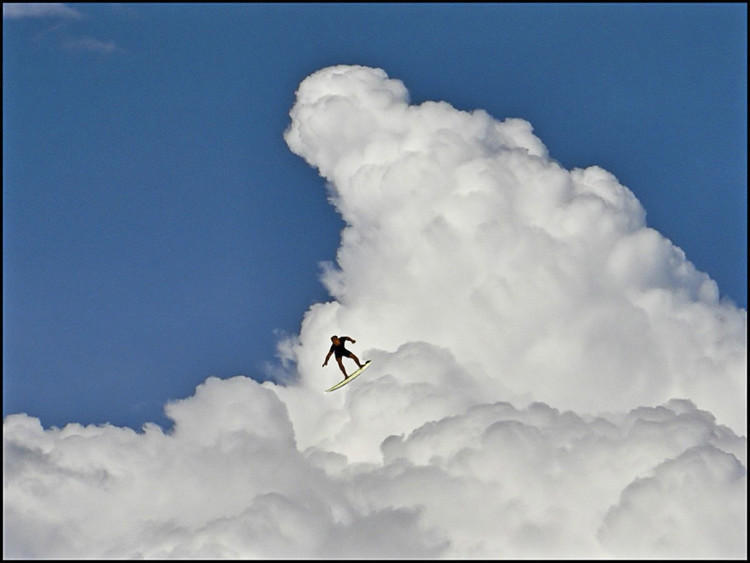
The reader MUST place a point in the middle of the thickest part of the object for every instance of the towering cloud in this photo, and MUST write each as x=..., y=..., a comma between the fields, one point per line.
x=551, y=377
x=462, y=233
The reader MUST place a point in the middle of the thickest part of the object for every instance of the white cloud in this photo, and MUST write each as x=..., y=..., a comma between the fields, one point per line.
x=551, y=377
x=91, y=44
x=54, y=10
x=38, y=10
x=494, y=479
x=462, y=233
x=660, y=515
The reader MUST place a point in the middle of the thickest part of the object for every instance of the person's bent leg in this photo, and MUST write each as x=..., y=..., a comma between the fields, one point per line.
x=356, y=359
x=341, y=365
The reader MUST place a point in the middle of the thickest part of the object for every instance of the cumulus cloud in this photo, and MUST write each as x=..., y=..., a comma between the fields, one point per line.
x=551, y=377
x=495, y=480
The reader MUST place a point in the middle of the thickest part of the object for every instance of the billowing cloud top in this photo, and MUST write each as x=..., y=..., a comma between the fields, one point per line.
x=550, y=377
x=463, y=234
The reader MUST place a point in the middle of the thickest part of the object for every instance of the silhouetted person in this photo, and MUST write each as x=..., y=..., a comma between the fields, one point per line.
x=340, y=351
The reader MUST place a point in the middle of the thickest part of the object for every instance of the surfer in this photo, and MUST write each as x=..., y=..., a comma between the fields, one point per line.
x=337, y=348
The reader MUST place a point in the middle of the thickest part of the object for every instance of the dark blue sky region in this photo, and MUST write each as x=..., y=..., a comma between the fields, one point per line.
x=157, y=230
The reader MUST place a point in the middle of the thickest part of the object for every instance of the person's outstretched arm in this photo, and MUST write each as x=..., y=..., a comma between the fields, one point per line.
x=330, y=351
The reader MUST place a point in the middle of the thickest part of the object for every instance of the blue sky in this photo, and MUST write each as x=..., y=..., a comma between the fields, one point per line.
x=157, y=230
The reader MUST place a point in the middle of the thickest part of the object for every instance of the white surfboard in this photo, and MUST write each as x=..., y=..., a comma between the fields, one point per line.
x=352, y=376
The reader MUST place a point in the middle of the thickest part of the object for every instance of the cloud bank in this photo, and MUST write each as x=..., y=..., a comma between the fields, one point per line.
x=551, y=377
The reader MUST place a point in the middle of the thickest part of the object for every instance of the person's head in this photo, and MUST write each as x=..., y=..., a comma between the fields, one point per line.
x=334, y=339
